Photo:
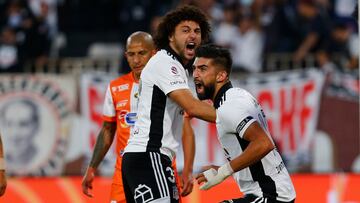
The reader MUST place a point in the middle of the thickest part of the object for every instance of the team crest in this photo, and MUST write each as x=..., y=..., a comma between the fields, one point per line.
x=174, y=70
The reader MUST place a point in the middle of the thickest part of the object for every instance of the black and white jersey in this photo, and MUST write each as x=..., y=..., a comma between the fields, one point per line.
x=160, y=119
x=236, y=109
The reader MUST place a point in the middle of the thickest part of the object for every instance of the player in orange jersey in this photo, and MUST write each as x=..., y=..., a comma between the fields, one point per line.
x=119, y=115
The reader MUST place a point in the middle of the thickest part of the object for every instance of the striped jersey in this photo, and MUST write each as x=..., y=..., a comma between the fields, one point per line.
x=159, y=123
x=120, y=106
x=236, y=109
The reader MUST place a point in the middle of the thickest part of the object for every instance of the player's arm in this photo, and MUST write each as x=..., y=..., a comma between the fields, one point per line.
x=259, y=146
x=3, y=182
x=188, y=140
x=193, y=106
x=103, y=143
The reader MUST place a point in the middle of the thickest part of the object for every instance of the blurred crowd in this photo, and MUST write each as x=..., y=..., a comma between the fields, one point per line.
x=27, y=29
x=251, y=29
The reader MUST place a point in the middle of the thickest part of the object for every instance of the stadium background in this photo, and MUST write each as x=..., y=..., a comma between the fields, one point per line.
x=298, y=57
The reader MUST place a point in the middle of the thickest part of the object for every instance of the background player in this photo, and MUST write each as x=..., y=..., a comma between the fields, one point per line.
x=242, y=131
x=165, y=95
x=119, y=115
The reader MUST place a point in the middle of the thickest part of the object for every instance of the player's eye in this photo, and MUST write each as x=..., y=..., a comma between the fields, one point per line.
x=143, y=53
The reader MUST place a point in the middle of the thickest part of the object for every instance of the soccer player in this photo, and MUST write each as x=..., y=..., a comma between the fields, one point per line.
x=119, y=116
x=2, y=170
x=165, y=95
x=242, y=130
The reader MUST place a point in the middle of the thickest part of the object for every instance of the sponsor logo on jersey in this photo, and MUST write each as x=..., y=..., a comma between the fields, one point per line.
x=120, y=88
x=178, y=82
x=227, y=154
x=127, y=118
x=280, y=167
x=121, y=103
x=143, y=193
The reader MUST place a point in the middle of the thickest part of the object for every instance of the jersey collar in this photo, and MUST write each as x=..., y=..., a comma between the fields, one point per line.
x=220, y=96
x=176, y=56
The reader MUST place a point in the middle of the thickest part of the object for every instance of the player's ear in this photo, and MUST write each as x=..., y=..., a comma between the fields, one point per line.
x=171, y=38
x=221, y=76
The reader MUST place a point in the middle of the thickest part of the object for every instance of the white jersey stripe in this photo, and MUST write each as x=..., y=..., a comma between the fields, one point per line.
x=256, y=200
x=157, y=175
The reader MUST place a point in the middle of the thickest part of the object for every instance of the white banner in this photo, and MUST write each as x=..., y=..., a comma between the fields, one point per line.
x=93, y=87
x=35, y=121
x=290, y=101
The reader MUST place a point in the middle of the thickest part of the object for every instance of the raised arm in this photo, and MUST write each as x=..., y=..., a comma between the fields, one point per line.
x=193, y=106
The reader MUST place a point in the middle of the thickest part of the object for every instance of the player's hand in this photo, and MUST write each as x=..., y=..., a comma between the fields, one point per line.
x=187, y=183
x=212, y=177
x=3, y=182
x=200, y=178
x=87, y=181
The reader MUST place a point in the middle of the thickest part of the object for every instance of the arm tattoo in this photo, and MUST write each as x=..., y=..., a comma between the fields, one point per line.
x=103, y=143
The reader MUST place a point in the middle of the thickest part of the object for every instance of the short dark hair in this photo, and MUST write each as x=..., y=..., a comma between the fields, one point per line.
x=173, y=18
x=219, y=55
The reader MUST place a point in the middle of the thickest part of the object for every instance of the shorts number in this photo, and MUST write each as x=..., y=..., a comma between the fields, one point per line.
x=172, y=178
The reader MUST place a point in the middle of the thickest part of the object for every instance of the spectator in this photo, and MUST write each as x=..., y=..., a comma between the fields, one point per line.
x=47, y=10
x=312, y=29
x=342, y=44
x=10, y=54
x=247, y=46
x=226, y=31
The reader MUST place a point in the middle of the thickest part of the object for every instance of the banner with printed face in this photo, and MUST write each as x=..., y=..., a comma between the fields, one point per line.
x=93, y=88
x=290, y=101
x=35, y=121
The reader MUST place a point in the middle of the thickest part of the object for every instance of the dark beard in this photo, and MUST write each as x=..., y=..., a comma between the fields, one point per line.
x=208, y=92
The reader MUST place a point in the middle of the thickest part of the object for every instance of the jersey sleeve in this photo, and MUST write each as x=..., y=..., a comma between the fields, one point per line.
x=109, y=112
x=235, y=117
x=171, y=77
